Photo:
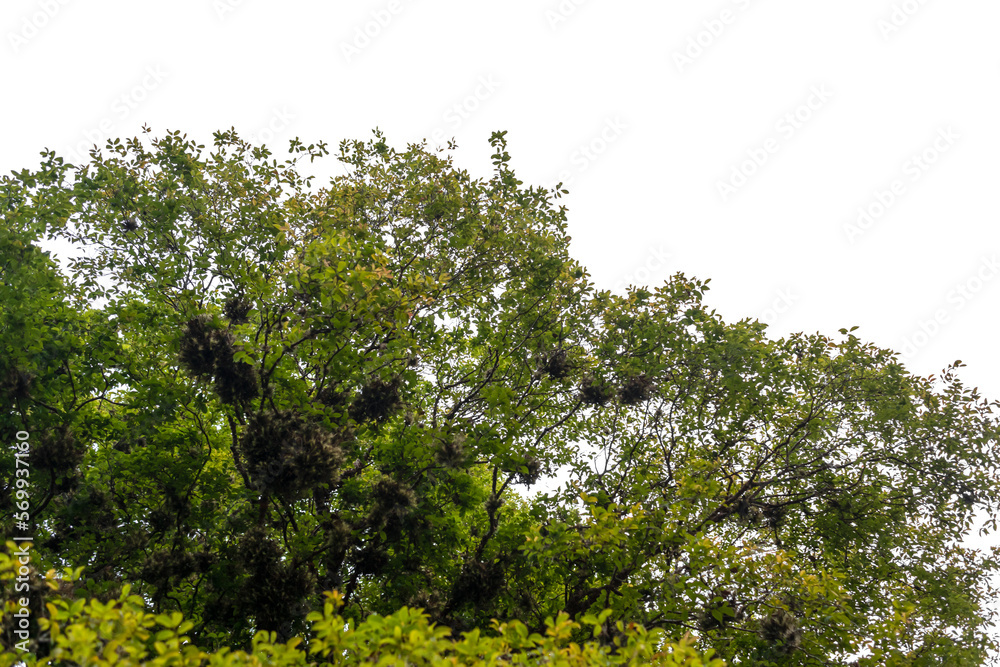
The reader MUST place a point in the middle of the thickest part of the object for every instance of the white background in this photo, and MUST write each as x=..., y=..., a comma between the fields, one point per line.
x=809, y=111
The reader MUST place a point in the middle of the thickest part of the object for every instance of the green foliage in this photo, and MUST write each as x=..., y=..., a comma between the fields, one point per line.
x=245, y=391
x=122, y=632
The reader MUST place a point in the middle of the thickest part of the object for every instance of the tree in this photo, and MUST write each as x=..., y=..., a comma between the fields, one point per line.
x=249, y=390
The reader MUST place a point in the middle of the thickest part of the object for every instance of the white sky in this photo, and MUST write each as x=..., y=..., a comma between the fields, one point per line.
x=643, y=108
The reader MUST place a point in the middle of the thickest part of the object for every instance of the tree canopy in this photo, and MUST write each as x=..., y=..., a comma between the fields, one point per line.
x=246, y=390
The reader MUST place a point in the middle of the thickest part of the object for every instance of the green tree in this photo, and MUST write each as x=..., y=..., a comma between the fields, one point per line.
x=249, y=390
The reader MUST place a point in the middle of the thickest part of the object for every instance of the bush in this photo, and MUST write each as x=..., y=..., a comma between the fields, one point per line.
x=121, y=632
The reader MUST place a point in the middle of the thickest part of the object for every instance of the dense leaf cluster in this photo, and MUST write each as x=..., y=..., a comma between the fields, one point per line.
x=124, y=633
